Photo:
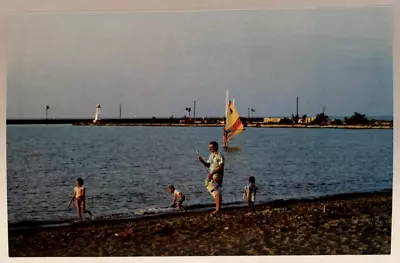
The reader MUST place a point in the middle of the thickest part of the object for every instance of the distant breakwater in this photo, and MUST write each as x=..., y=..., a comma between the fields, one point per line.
x=114, y=121
x=210, y=122
x=248, y=125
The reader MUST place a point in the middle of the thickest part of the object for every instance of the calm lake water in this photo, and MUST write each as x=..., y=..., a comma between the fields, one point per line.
x=127, y=169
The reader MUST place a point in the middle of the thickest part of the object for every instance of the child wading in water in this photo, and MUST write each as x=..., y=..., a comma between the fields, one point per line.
x=79, y=195
x=249, y=193
x=177, y=196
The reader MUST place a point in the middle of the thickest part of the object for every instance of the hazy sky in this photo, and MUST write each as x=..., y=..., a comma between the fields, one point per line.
x=156, y=64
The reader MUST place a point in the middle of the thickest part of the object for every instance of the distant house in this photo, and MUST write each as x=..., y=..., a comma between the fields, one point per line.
x=272, y=120
x=307, y=120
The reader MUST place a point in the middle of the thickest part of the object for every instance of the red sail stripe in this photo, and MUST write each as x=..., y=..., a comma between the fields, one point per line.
x=236, y=125
x=230, y=135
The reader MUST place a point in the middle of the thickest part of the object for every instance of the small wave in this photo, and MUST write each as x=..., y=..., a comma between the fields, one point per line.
x=193, y=207
x=115, y=216
x=154, y=210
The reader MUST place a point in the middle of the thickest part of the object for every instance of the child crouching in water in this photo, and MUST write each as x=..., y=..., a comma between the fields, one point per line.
x=177, y=196
x=249, y=193
x=79, y=195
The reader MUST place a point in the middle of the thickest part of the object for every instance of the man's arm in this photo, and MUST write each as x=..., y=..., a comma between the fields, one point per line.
x=218, y=169
x=206, y=164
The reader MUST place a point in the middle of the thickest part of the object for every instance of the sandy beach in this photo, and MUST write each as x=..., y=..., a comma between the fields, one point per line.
x=342, y=224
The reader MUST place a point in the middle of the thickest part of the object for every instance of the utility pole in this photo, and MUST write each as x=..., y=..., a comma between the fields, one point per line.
x=120, y=111
x=297, y=107
x=248, y=113
x=194, y=110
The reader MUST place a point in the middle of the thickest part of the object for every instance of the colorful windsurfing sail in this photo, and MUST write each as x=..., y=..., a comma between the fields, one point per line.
x=233, y=124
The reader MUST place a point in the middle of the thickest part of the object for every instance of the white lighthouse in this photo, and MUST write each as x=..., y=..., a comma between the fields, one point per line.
x=97, y=115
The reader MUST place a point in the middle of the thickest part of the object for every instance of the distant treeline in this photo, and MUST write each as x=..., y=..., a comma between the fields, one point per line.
x=323, y=119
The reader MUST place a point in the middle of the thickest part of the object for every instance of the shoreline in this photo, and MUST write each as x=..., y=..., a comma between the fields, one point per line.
x=192, y=209
x=354, y=223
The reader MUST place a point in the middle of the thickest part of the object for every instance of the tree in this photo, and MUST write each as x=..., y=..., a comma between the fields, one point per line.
x=296, y=118
x=337, y=122
x=304, y=118
x=321, y=119
x=286, y=121
x=357, y=119
x=47, y=109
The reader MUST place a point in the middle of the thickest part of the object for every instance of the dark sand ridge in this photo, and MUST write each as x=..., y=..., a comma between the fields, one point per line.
x=341, y=224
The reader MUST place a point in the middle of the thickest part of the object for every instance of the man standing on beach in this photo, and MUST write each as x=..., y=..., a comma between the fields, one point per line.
x=216, y=164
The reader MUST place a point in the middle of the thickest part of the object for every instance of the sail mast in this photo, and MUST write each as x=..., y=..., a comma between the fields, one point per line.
x=226, y=103
x=224, y=133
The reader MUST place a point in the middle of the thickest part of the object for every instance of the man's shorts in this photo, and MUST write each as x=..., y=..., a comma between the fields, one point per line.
x=218, y=180
x=214, y=189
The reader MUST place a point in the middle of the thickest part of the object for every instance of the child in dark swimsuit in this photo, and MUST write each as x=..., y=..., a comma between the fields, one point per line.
x=177, y=196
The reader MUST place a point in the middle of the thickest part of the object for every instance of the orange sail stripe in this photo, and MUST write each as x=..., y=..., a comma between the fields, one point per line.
x=236, y=126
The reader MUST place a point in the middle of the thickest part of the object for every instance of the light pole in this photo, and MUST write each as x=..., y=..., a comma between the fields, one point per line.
x=252, y=112
x=188, y=109
x=47, y=109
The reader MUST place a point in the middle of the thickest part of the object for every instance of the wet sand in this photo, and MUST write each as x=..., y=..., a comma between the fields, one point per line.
x=341, y=224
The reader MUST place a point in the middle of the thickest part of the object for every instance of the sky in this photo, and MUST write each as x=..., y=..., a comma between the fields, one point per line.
x=159, y=63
